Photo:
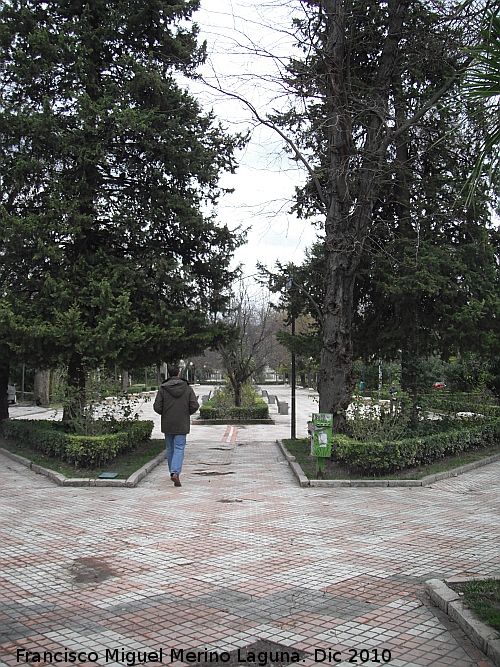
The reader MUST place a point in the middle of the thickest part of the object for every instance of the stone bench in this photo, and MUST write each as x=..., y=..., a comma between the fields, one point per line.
x=206, y=397
x=282, y=407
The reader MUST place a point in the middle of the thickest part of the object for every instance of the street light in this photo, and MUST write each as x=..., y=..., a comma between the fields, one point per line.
x=293, y=429
x=290, y=283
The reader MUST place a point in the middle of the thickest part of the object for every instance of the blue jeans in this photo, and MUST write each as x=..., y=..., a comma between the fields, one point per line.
x=175, y=451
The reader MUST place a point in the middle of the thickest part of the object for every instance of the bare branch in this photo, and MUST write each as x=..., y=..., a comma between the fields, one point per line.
x=268, y=123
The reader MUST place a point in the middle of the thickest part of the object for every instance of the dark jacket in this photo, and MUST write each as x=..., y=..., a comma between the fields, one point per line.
x=175, y=402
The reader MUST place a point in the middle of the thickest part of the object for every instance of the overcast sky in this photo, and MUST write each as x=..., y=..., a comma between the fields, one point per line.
x=265, y=180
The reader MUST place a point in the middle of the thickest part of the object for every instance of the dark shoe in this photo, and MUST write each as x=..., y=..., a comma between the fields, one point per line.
x=175, y=479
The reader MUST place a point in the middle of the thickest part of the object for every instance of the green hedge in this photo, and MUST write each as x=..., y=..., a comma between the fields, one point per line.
x=259, y=410
x=49, y=438
x=139, y=388
x=385, y=457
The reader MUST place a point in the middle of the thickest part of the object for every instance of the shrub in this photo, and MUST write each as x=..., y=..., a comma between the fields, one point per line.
x=136, y=389
x=49, y=437
x=435, y=412
x=257, y=411
x=139, y=388
x=387, y=456
x=221, y=406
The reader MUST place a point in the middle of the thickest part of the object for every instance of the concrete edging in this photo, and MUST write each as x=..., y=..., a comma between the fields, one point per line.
x=62, y=480
x=386, y=483
x=485, y=638
x=231, y=422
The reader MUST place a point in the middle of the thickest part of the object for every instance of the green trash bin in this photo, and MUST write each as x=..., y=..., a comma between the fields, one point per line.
x=321, y=438
x=321, y=435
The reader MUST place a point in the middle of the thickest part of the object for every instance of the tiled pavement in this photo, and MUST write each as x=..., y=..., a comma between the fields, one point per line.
x=239, y=554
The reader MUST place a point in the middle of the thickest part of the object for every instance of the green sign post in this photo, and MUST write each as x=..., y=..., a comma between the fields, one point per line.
x=321, y=438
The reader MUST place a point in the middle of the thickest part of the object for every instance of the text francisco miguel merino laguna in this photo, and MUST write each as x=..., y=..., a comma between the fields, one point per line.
x=132, y=658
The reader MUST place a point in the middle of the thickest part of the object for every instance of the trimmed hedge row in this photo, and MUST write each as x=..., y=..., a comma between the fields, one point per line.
x=139, y=388
x=49, y=438
x=385, y=457
x=210, y=410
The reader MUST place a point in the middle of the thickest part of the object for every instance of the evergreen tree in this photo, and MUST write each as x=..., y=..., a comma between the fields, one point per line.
x=369, y=72
x=427, y=280
x=106, y=166
x=302, y=289
x=483, y=86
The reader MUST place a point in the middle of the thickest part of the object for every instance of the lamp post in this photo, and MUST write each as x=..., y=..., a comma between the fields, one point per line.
x=293, y=432
x=293, y=427
x=290, y=283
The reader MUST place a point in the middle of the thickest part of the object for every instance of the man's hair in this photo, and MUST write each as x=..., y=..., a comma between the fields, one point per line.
x=173, y=370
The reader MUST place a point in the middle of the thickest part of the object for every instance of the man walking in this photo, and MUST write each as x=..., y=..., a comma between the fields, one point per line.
x=175, y=402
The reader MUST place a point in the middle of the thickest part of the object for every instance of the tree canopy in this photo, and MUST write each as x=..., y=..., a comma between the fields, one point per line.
x=107, y=166
x=483, y=87
x=370, y=78
x=388, y=140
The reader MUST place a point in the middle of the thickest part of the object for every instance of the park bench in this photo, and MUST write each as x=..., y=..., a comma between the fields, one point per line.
x=281, y=405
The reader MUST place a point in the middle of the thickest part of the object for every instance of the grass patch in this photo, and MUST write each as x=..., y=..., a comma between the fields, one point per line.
x=124, y=464
x=483, y=597
x=334, y=470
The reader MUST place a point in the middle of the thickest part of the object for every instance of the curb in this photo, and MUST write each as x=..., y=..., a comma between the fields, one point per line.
x=385, y=483
x=485, y=638
x=292, y=462
x=231, y=422
x=62, y=480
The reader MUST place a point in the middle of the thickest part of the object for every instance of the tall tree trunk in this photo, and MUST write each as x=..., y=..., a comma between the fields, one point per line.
x=409, y=372
x=347, y=222
x=336, y=378
x=237, y=387
x=409, y=383
x=41, y=388
x=125, y=381
x=409, y=342
x=75, y=390
x=238, y=395
x=4, y=388
x=402, y=206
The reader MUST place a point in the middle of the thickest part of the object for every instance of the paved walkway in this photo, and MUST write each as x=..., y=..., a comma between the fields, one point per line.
x=239, y=556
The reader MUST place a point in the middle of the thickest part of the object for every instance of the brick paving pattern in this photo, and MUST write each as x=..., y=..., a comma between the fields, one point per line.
x=240, y=555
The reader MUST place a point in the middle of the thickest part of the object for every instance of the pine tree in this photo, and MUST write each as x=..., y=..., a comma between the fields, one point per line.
x=483, y=87
x=423, y=262
x=106, y=166
x=369, y=72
